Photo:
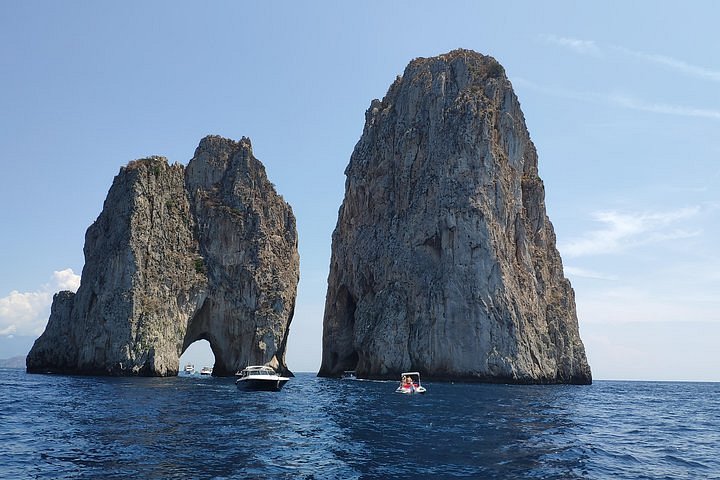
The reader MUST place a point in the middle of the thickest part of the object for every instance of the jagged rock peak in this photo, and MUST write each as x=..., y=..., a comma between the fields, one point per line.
x=215, y=144
x=152, y=161
x=443, y=258
x=219, y=160
x=177, y=255
x=467, y=67
x=478, y=65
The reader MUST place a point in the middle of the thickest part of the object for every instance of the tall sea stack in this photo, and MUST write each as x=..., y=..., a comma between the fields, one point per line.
x=443, y=258
x=177, y=255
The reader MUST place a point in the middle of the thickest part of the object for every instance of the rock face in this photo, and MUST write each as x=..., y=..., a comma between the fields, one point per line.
x=248, y=242
x=177, y=255
x=443, y=258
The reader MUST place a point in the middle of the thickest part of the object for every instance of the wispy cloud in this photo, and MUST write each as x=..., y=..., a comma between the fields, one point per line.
x=590, y=47
x=557, y=91
x=622, y=231
x=679, y=66
x=26, y=313
x=621, y=100
x=636, y=104
x=8, y=331
x=584, y=273
x=584, y=47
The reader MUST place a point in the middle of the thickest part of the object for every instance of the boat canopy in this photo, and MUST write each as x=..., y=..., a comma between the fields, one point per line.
x=257, y=370
x=414, y=375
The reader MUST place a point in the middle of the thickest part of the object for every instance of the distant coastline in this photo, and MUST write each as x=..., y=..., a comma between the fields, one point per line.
x=13, y=362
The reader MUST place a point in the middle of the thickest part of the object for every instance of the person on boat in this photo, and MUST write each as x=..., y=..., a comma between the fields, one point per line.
x=408, y=382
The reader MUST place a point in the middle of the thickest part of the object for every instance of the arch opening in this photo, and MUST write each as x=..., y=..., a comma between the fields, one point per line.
x=198, y=355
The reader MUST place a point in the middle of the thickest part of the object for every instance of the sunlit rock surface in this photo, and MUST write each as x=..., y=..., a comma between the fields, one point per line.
x=177, y=255
x=443, y=257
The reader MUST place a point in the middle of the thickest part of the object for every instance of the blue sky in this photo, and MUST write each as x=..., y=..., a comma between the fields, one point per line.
x=621, y=99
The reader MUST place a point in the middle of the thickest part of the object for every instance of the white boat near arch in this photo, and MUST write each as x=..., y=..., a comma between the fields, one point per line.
x=260, y=377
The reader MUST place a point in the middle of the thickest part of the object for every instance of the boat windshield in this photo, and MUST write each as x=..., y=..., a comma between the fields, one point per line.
x=257, y=371
x=414, y=377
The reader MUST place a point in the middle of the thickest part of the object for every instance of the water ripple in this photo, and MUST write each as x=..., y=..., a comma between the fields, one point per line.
x=190, y=427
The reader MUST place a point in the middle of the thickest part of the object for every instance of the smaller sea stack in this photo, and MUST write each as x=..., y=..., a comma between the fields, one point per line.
x=178, y=255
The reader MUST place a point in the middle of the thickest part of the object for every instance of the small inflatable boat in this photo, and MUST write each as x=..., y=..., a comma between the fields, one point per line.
x=410, y=384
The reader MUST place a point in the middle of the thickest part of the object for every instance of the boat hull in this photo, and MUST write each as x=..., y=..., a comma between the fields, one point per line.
x=410, y=391
x=266, y=385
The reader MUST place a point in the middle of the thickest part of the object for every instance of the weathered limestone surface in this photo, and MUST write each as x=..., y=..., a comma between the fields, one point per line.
x=248, y=241
x=443, y=258
x=208, y=252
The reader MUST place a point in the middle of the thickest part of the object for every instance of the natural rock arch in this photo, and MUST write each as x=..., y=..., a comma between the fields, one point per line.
x=178, y=254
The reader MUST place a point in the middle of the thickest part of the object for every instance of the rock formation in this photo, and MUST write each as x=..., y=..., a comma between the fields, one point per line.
x=177, y=255
x=443, y=258
x=248, y=242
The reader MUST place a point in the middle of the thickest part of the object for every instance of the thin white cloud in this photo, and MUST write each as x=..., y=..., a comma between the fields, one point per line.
x=622, y=231
x=584, y=273
x=590, y=47
x=620, y=100
x=635, y=104
x=584, y=47
x=26, y=313
x=675, y=64
x=557, y=92
x=8, y=331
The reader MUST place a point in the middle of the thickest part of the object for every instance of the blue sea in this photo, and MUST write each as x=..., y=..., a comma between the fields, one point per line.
x=193, y=427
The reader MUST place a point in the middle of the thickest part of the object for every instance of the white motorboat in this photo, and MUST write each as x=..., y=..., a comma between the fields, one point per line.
x=189, y=368
x=260, y=377
x=206, y=371
x=349, y=375
x=410, y=384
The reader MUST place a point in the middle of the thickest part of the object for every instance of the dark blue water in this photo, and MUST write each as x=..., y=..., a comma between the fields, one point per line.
x=199, y=427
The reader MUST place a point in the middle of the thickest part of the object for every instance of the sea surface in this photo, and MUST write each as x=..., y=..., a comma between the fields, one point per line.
x=188, y=427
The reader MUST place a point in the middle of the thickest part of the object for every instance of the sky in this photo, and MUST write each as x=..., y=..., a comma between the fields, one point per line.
x=621, y=99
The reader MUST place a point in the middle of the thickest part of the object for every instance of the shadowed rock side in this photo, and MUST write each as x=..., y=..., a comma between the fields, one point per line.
x=150, y=285
x=443, y=258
